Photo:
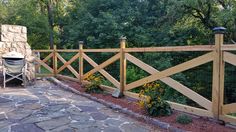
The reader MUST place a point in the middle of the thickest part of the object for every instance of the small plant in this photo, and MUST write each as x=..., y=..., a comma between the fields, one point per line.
x=94, y=85
x=152, y=101
x=183, y=119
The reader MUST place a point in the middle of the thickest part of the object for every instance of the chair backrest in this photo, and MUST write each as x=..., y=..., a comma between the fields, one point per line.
x=14, y=65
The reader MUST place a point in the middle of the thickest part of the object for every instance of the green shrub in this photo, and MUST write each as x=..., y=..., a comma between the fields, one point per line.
x=153, y=103
x=183, y=119
x=94, y=85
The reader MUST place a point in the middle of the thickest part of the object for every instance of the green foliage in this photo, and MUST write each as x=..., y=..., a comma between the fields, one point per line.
x=183, y=119
x=94, y=85
x=145, y=23
x=154, y=104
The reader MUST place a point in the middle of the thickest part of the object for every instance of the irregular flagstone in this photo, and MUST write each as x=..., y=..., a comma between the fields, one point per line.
x=53, y=123
x=99, y=116
x=27, y=102
x=46, y=107
x=4, y=123
x=113, y=122
x=133, y=128
x=35, y=119
x=74, y=110
x=3, y=117
x=88, y=108
x=90, y=126
x=31, y=106
x=65, y=128
x=26, y=128
x=111, y=129
x=17, y=115
x=55, y=107
x=82, y=118
x=5, y=129
x=50, y=114
x=4, y=100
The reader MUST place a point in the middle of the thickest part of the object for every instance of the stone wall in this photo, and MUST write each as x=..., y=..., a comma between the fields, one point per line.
x=14, y=38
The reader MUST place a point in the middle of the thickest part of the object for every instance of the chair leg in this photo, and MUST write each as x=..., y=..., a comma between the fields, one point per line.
x=24, y=80
x=4, y=80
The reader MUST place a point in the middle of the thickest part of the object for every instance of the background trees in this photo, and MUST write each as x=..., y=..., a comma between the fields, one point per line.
x=100, y=23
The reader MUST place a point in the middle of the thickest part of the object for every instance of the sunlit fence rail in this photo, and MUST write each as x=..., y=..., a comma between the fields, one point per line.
x=217, y=53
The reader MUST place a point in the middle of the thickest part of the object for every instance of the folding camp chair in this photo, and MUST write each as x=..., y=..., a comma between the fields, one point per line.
x=14, y=68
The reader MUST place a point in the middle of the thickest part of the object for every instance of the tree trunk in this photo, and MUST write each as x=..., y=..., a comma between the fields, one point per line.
x=50, y=20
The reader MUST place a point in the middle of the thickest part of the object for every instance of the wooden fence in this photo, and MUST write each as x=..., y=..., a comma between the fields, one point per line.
x=217, y=53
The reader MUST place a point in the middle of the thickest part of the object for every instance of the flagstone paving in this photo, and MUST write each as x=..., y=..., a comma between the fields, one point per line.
x=46, y=107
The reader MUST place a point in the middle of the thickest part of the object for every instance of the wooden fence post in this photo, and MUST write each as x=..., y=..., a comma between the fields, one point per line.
x=55, y=60
x=218, y=74
x=122, y=65
x=81, y=61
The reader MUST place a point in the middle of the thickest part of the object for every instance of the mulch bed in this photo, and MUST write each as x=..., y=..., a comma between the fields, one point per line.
x=199, y=124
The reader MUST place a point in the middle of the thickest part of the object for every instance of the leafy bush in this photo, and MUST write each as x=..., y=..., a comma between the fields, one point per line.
x=94, y=85
x=183, y=119
x=153, y=103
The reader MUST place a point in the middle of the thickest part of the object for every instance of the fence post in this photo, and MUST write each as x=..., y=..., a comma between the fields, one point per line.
x=218, y=73
x=55, y=60
x=122, y=65
x=81, y=61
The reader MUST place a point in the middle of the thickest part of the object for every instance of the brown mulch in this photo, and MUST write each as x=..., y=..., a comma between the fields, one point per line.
x=199, y=124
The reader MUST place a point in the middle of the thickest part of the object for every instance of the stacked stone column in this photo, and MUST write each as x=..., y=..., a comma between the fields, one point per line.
x=14, y=38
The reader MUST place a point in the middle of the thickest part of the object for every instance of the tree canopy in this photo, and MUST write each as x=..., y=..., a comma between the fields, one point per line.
x=100, y=23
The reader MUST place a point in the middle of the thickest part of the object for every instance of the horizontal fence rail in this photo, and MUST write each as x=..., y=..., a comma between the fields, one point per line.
x=217, y=53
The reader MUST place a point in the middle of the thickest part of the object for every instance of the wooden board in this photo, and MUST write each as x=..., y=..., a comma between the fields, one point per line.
x=189, y=109
x=177, y=106
x=44, y=64
x=67, y=50
x=45, y=59
x=172, y=48
x=42, y=50
x=68, y=66
x=101, y=66
x=44, y=75
x=228, y=119
x=172, y=83
x=103, y=72
x=63, y=77
x=228, y=47
x=68, y=63
x=216, y=79
x=101, y=50
x=230, y=58
x=229, y=108
x=173, y=70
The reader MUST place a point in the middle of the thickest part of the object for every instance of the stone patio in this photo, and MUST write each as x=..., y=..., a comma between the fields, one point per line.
x=46, y=107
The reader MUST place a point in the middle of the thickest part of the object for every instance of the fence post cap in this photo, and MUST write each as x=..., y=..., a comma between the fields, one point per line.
x=81, y=42
x=123, y=38
x=219, y=30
